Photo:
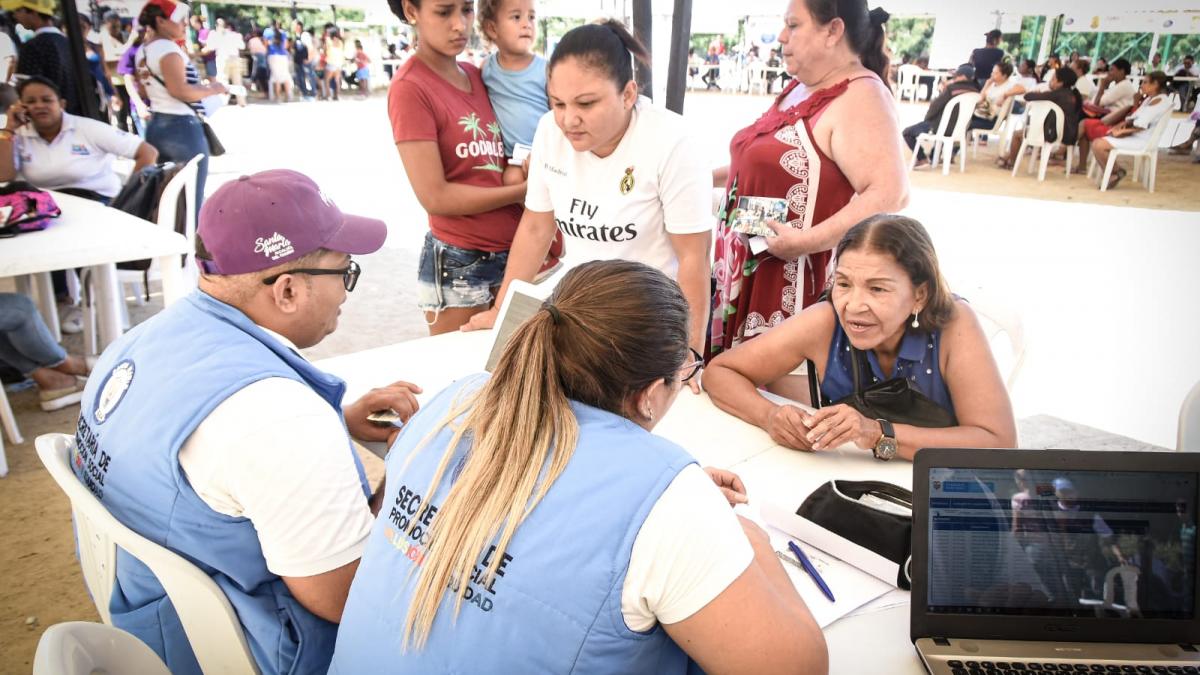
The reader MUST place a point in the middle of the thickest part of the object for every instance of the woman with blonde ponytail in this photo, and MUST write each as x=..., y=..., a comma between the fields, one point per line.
x=531, y=522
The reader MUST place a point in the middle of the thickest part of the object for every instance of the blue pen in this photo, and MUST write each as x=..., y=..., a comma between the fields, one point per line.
x=812, y=571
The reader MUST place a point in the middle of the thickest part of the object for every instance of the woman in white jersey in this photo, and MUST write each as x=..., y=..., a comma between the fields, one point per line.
x=619, y=177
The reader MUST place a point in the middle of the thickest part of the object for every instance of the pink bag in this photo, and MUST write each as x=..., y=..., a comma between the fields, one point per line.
x=24, y=208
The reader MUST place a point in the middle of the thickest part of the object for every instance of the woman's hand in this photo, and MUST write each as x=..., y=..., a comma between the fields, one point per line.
x=787, y=243
x=836, y=425
x=786, y=427
x=730, y=484
x=217, y=88
x=17, y=117
x=481, y=321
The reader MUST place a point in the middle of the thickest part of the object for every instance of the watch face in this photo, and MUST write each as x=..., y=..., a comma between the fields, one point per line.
x=886, y=448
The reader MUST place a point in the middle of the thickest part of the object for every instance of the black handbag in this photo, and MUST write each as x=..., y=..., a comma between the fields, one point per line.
x=215, y=148
x=874, y=515
x=893, y=400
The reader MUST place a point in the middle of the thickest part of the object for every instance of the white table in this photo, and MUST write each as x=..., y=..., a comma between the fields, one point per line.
x=873, y=639
x=89, y=234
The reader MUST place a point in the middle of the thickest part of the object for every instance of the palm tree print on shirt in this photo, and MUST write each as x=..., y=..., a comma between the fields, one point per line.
x=472, y=124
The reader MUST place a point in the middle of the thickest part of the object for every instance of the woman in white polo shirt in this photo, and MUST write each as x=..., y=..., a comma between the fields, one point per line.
x=49, y=148
x=620, y=178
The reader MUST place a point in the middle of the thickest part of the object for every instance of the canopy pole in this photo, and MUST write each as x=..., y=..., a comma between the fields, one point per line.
x=84, y=94
x=643, y=26
x=681, y=32
x=1047, y=39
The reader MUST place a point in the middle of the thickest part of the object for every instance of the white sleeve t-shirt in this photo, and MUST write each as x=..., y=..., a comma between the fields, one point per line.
x=277, y=453
x=81, y=156
x=1118, y=95
x=690, y=548
x=161, y=100
x=623, y=206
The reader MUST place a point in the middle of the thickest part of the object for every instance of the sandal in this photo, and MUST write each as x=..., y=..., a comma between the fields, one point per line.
x=1002, y=163
x=54, y=399
x=1116, y=178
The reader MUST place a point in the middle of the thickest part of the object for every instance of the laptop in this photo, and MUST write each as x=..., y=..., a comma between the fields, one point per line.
x=1053, y=561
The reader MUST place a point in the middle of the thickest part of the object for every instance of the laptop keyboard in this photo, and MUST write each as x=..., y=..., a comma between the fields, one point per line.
x=1015, y=667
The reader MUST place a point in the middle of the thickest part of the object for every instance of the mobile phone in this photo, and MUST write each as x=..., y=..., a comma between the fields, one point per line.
x=520, y=153
x=385, y=418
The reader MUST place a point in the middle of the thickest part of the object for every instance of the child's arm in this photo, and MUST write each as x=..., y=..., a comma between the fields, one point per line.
x=423, y=164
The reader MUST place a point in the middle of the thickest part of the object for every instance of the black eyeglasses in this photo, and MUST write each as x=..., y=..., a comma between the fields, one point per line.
x=693, y=368
x=348, y=273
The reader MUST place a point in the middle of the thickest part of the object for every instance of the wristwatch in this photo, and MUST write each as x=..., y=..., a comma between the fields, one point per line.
x=885, y=447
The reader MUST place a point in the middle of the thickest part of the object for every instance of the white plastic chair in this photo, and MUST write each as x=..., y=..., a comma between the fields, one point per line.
x=10, y=428
x=756, y=75
x=1144, y=158
x=183, y=182
x=996, y=130
x=1129, y=605
x=209, y=621
x=1035, y=137
x=907, y=78
x=84, y=648
x=1001, y=322
x=1189, y=422
x=945, y=140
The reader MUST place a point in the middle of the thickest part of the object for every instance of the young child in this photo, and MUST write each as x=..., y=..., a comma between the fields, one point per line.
x=362, y=73
x=514, y=75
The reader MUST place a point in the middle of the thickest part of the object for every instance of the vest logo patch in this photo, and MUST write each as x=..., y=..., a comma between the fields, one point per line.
x=112, y=392
x=274, y=247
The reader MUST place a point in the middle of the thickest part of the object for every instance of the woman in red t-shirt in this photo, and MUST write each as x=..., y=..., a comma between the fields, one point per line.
x=450, y=144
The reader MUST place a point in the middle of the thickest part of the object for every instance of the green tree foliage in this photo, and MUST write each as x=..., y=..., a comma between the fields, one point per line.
x=244, y=17
x=551, y=29
x=909, y=36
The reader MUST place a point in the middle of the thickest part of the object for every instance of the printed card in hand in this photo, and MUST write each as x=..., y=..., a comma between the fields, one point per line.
x=752, y=213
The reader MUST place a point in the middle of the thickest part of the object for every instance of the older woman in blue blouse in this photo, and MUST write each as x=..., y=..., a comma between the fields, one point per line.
x=889, y=301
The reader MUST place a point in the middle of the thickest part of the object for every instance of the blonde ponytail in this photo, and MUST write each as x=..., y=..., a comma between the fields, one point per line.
x=610, y=329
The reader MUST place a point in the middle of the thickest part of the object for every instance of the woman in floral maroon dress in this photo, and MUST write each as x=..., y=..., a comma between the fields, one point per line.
x=830, y=146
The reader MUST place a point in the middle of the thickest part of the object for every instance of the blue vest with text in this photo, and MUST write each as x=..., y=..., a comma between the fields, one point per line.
x=149, y=391
x=554, y=605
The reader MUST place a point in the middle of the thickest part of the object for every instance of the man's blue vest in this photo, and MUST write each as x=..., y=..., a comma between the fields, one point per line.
x=149, y=391
x=554, y=605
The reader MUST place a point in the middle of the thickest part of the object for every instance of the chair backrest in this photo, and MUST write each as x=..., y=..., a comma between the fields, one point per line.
x=907, y=75
x=183, y=183
x=1189, y=422
x=83, y=648
x=1002, y=115
x=1159, y=128
x=1001, y=324
x=211, y=625
x=964, y=104
x=1129, y=579
x=1035, y=128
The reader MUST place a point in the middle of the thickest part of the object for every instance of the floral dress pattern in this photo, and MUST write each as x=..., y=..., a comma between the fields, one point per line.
x=775, y=157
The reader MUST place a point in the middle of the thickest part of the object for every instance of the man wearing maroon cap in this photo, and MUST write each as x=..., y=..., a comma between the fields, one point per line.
x=206, y=431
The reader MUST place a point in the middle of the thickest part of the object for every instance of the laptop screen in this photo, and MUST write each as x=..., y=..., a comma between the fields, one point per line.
x=1062, y=543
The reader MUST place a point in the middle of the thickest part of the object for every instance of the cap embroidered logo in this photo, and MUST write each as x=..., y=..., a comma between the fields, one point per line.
x=274, y=247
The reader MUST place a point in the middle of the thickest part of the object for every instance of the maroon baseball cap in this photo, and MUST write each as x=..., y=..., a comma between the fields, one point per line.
x=271, y=217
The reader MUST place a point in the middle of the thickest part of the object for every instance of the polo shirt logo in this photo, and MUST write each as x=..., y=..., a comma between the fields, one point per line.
x=80, y=149
x=275, y=247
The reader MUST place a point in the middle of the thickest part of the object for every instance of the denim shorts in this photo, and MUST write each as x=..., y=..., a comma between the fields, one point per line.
x=449, y=276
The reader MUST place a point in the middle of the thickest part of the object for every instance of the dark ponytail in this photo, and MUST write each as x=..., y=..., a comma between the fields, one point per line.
x=864, y=30
x=606, y=45
x=1068, y=78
